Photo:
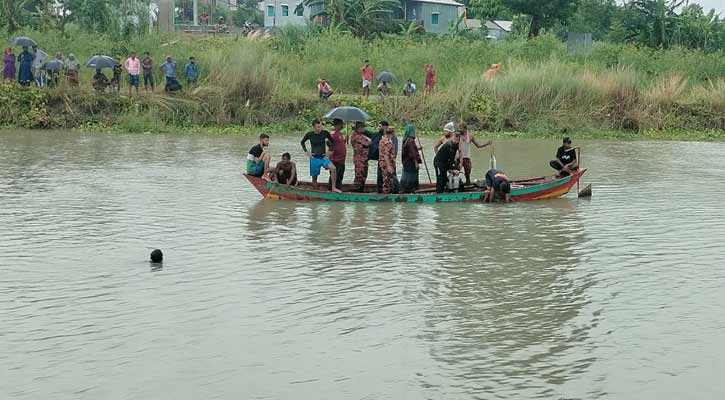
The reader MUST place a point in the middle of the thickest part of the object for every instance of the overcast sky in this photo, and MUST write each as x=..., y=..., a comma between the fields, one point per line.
x=718, y=5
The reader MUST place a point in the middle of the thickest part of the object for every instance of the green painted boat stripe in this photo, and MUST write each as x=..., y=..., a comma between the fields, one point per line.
x=410, y=198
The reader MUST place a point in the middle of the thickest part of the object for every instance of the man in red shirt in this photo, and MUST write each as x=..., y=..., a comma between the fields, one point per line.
x=339, y=151
x=367, y=77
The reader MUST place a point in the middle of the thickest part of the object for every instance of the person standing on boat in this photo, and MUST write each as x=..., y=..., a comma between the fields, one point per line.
x=445, y=160
x=565, y=161
x=497, y=185
x=360, y=146
x=339, y=152
x=448, y=131
x=258, y=158
x=386, y=162
x=465, y=149
x=411, y=161
x=373, y=153
x=319, y=140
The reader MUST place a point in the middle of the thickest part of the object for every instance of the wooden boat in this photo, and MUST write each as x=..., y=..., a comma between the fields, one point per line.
x=535, y=188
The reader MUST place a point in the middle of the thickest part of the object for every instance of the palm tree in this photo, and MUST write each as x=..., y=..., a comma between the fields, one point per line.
x=361, y=17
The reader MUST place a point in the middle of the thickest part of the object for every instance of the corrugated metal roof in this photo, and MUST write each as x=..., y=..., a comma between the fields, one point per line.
x=505, y=25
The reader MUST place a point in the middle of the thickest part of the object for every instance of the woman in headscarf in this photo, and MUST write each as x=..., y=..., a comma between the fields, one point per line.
x=25, y=70
x=8, y=64
x=72, y=70
x=411, y=161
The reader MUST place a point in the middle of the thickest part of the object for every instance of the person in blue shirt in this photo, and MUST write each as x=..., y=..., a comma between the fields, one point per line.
x=169, y=70
x=191, y=70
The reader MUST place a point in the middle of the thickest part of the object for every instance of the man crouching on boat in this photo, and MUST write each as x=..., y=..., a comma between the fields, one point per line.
x=497, y=186
x=320, y=141
x=258, y=158
x=285, y=172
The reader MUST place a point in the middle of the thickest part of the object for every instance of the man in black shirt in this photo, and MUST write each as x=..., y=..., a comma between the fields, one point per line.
x=444, y=160
x=497, y=185
x=258, y=157
x=320, y=142
x=565, y=161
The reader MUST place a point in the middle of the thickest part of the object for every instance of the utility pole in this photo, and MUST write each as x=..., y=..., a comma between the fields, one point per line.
x=196, y=13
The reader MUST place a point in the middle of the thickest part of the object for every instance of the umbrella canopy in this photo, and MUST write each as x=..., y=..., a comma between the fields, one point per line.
x=101, y=62
x=54, y=65
x=23, y=41
x=347, y=114
x=386, y=76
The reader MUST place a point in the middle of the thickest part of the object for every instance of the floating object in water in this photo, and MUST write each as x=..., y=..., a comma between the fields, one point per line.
x=157, y=256
x=586, y=192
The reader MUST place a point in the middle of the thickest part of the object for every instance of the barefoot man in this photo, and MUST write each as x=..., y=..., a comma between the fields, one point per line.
x=320, y=141
x=258, y=157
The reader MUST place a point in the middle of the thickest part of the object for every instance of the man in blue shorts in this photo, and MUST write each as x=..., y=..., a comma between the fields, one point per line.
x=258, y=158
x=320, y=142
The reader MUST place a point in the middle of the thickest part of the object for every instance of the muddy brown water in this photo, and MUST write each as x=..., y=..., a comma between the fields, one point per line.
x=620, y=296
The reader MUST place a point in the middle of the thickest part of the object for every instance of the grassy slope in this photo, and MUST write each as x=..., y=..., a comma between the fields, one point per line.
x=271, y=84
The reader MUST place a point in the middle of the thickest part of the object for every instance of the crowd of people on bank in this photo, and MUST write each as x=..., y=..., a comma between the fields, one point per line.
x=33, y=66
x=328, y=150
x=367, y=75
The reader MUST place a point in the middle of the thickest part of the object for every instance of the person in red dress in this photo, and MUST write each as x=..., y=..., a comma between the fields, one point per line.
x=430, y=79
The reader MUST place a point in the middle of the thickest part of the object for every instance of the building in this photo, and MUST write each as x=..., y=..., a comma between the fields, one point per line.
x=495, y=29
x=284, y=12
x=498, y=29
x=434, y=16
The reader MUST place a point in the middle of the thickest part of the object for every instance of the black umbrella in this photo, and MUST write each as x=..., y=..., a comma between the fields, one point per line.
x=347, y=114
x=23, y=41
x=386, y=76
x=101, y=62
x=54, y=65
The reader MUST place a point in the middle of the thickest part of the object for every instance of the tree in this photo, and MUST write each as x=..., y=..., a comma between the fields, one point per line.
x=594, y=16
x=247, y=11
x=657, y=20
x=14, y=12
x=360, y=17
x=698, y=30
x=489, y=9
x=543, y=13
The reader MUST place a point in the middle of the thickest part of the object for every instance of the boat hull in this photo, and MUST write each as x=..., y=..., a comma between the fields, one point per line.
x=529, y=189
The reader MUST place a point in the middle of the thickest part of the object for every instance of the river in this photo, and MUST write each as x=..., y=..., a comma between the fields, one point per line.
x=620, y=296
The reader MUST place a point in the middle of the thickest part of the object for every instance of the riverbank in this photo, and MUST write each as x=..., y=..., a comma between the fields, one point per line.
x=270, y=85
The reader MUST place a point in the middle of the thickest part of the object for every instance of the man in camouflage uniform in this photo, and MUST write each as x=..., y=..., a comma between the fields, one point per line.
x=386, y=162
x=360, y=145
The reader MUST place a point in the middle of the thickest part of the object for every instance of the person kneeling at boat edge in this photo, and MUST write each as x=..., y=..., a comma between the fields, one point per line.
x=320, y=141
x=565, y=162
x=445, y=160
x=497, y=186
x=258, y=158
x=285, y=172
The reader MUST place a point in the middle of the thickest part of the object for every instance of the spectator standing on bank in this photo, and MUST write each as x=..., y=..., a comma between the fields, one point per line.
x=148, y=72
x=191, y=71
x=133, y=67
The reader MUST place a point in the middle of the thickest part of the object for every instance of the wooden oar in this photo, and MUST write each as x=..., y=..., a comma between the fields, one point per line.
x=422, y=153
x=492, y=159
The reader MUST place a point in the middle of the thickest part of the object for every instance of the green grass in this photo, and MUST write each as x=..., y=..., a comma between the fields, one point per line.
x=261, y=84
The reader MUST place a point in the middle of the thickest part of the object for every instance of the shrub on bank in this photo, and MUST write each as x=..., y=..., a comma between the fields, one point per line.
x=262, y=82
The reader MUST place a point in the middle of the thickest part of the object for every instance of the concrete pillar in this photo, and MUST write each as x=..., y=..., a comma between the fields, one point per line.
x=166, y=15
x=196, y=13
